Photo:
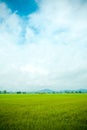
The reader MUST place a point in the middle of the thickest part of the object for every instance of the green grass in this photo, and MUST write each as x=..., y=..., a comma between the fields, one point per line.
x=43, y=112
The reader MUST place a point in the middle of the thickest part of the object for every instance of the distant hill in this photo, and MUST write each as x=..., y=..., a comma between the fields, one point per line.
x=46, y=91
x=62, y=91
x=83, y=90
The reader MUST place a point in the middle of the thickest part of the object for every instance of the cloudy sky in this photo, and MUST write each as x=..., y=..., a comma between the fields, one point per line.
x=43, y=44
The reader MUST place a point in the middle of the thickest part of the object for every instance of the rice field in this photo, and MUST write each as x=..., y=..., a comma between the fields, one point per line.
x=43, y=111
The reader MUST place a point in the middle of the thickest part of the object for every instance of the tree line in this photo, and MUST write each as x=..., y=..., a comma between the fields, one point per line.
x=54, y=92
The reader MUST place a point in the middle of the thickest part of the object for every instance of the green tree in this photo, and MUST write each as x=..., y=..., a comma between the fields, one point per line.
x=4, y=91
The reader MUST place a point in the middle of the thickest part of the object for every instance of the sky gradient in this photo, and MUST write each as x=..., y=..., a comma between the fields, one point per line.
x=43, y=44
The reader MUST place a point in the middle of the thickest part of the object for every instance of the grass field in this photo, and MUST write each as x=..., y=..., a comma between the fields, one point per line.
x=43, y=112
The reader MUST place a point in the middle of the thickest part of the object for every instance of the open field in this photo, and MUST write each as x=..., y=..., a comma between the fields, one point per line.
x=43, y=112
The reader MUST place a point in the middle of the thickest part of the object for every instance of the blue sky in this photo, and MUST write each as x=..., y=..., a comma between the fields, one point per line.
x=23, y=7
x=43, y=44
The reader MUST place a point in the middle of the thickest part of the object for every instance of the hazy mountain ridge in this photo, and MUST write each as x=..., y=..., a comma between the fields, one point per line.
x=47, y=91
x=62, y=91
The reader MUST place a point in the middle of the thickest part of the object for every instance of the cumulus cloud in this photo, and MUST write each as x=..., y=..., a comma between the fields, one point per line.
x=47, y=49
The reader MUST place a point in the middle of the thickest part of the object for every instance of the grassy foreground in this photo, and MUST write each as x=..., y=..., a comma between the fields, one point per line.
x=43, y=112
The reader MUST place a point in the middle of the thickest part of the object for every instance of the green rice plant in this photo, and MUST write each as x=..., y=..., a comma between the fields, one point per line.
x=43, y=111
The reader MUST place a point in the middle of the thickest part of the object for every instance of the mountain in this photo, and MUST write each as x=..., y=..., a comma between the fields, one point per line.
x=83, y=90
x=46, y=91
x=62, y=91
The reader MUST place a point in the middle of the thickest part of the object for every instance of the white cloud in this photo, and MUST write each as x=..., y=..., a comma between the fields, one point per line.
x=48, y=49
